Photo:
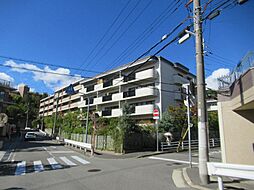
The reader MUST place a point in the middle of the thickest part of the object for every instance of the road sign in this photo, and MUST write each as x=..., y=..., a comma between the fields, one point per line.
x=156, y=114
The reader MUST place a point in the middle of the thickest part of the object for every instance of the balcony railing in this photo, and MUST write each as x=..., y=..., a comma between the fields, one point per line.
x=107, y=98
x=129, y=93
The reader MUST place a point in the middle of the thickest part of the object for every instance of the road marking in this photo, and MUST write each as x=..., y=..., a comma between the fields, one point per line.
x=47, y=151
x=54, y=164
x=170, y=160
x=38, y=167
x=80, y=160
x=67, y=161
x=61, y=151
x=54, y=147
x=21, y=168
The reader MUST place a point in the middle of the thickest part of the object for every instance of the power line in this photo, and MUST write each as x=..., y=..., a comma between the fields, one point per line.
x=115, y=31
x=42, y=71
x=147, y=32
x=105, y=34
x=122, y=34
x=46, y=64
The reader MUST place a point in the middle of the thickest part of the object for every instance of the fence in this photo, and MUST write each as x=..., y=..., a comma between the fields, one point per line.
x=101, y=142
x=173, y=146
x=246, y=63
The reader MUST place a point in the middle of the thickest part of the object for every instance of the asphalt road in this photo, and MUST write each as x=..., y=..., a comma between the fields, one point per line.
x=47, y=165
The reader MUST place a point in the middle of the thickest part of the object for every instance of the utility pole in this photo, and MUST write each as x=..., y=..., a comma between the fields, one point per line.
x=55, y=118
x=27, y=113
x=87, y=116
x=189, y=124
x=202, y=115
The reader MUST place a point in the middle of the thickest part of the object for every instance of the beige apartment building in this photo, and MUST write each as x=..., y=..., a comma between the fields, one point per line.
x=152, y=82
x=236, y=113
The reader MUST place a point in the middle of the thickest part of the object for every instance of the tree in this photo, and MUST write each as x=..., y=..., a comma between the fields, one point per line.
x=70, y=121
x=174, y=120
x=29, y=104
x=213, y=124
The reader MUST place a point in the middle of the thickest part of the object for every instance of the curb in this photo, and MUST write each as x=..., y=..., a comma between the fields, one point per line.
x=189, y=182
x=152, y=154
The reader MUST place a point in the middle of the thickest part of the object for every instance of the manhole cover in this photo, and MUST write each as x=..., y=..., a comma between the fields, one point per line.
x=94, y=170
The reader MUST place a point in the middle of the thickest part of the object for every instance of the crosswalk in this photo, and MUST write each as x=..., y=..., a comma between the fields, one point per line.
x=52, y=163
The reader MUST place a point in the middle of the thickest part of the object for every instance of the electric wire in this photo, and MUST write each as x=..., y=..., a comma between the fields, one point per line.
x=122, y=34
x=113, y=33
x=105, y=34
x=46, y=64
x=147, y=32
x=42, y=71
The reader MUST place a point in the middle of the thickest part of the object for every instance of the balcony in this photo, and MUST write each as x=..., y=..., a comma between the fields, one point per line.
x=146, y=91
x=129, y=93
x=98, y=100
x=91, y=100
x=90, y=88
x=117, y=96
x=107, y=98
x=98, y=86
x=144, y=110
x=149, y=73
x=129, y=77
x=107, y=83
x=118, y=81
x=106, y=112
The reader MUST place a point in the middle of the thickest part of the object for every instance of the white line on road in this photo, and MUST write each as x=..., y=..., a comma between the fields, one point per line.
x=67, y=161
x=21, y=168
x=54, y=164
x=38, y=167
x=80, y=160
x=170, y=160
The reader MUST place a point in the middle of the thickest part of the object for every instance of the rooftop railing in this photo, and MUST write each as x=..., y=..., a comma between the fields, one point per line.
x=246, y=63
x=5, y=83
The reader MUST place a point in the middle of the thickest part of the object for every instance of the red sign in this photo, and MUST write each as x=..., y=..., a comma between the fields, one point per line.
x=156, y=114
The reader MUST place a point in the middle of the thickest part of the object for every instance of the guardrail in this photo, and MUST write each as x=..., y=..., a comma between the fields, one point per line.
x=230, y=170
x=85, y=146
x=184, y=145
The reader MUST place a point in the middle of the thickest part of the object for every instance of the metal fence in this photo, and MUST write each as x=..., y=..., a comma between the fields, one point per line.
x=184, y=145
x=246, y=63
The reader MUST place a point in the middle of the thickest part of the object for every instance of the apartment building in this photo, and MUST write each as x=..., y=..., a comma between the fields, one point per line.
x=5, y=90
x=152, y=82
x=60, y=101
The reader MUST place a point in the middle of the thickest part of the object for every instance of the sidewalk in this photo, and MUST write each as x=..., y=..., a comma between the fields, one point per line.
x=191, y=178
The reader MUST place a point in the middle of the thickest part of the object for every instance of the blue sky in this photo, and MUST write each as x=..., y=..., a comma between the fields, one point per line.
x=64, y=32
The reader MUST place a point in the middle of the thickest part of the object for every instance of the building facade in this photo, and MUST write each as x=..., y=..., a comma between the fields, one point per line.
x=5, y=90
x=236, y=113
x=152, y=82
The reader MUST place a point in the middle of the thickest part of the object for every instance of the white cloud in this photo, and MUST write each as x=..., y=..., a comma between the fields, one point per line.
x=51, y=80
x=212, y=81
x=4, y=76
x=16, y=67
